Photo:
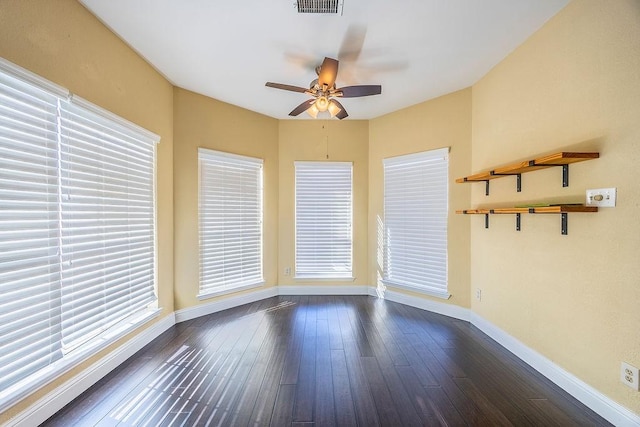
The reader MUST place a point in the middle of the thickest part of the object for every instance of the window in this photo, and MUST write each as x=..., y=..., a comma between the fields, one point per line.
x=77, y=229
x=323, y=219
x=230, y=217
x=415, y=221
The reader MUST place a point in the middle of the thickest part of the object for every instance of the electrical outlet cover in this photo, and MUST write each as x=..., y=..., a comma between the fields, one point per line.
x=629, y=375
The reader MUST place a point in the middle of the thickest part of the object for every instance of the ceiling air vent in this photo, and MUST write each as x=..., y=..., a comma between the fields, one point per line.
x=320, y=6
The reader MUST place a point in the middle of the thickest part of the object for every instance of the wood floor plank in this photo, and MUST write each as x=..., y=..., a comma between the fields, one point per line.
x=239, y=380
x=444, y=407
x=469, y=411
x=343, y=399
x=335, y=329
x=324, y=404
x=399, y=396
x=294, y=348
x=420, y=368
x=420, y=399
x=495, y=416
x=337, y=360
x=364, y=405
x=508, y=394
x=359, y=335
x=305, y=387
x=385, y=407
x=241, y=409
x=383, y=321
x=264, y=406
x=262, y=409
x=283, y=409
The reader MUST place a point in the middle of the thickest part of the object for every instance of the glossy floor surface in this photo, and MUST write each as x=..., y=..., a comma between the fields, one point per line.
x=324, y=360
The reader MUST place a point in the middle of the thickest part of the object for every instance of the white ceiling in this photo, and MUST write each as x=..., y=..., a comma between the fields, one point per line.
x=416, y=49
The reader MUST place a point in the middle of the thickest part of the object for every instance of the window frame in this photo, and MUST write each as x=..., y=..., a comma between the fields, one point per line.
x=330, y=273
x=204, y=155
x=405, y=178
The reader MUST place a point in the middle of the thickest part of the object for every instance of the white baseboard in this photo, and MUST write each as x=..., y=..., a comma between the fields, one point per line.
x=613, y=412
x=425, y=304
x=62, y=395
x=323, y=290
x=224, y=304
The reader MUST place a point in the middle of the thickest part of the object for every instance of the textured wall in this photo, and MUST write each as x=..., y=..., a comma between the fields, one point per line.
x=574, y=85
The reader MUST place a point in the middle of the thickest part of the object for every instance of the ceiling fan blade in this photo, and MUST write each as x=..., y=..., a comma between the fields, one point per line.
x=342, y=113
x=286, y=87
x=352, y=43
x=362, y=90
x=302, y=107
x=328, y=72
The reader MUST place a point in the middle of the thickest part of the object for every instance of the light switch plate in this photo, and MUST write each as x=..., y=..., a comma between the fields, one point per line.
x=601, y=197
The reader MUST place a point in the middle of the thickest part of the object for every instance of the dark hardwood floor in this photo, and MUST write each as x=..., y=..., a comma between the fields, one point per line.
x=337, y=360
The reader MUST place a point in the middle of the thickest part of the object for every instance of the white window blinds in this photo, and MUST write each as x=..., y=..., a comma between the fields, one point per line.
x=108, y=223
x=323, y=219
x=230, y=222
x=77, y=228
x=415, y=221
x=29, y=231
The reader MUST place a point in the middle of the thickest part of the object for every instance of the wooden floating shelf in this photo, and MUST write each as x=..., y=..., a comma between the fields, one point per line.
x=562, y=159
x=558, y=209
x=563, y=210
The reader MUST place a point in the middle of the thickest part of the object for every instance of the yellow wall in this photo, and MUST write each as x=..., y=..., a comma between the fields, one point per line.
x=441, y=122
x=204, y=122
x=344, y=141
x=574, y=85
x=61, y=41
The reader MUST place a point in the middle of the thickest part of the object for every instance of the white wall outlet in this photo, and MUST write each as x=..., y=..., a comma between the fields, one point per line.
x=629, y=375
x=287, y=271
x=601, y=197
x=479, y=294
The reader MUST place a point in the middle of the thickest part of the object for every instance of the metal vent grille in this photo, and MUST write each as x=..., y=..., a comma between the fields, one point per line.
x=320, y=6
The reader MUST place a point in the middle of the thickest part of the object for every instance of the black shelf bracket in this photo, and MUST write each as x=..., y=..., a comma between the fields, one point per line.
x=517, y=175
x=486, y=185
x=565, y=172
x=564, y=218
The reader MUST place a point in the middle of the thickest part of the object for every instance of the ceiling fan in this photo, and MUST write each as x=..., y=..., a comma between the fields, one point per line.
x=324, y=92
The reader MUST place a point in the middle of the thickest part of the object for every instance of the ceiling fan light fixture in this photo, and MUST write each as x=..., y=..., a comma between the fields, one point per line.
x=322, y=103
x=313, y=110
x=333, y=109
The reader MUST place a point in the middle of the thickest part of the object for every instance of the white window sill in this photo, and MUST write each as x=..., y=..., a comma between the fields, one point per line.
x=417, y=289
x=228, y=290
x=325, y=278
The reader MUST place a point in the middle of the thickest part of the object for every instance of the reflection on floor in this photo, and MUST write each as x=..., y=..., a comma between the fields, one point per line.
x=326, y=360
